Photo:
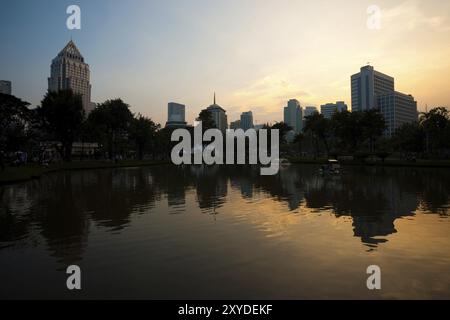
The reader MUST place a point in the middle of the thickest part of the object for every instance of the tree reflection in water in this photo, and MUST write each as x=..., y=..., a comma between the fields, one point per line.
x=63, y=207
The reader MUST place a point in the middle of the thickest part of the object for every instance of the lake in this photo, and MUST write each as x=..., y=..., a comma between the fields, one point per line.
x=225, y=232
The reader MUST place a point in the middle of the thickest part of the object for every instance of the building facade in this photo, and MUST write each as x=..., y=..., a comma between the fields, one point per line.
x=397, y=109
x=219, y=116
x=293, y=115
x=374, y=90
x=246, y=120
x=176, y=115
x=309, y=111
x=329, y=109
x=367, y=85
x=5, y=87
x=70, y=72
x=234, y=125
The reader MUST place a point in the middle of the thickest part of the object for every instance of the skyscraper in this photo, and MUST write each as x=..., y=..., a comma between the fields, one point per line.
x=374, y=90
x=246, y=120
x=367, y=85
x=293, y=115
x=397, y=109
x=5, y=87
x=70, y=72
x=219, y=116
x=176, y=115
x=329, y=109
x=309, y=111
x=234, y=125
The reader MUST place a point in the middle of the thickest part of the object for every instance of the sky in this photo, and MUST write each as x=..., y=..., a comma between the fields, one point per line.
x=255, y=54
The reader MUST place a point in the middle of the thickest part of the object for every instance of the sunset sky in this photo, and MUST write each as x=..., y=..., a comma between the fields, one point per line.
x=255, y=54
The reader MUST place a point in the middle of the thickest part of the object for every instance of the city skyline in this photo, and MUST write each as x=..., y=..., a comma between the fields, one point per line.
x=247, y=73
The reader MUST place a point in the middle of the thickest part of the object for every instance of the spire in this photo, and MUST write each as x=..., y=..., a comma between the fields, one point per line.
x=71, y=49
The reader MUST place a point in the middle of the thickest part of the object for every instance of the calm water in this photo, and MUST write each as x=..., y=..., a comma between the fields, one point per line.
x=226, y=232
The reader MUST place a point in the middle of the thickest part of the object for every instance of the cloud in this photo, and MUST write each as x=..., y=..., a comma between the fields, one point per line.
x=266, y=97
x=408, y=16
x=269, y=89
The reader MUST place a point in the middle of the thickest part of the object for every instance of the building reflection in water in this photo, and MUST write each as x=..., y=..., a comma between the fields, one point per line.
x=63, y=207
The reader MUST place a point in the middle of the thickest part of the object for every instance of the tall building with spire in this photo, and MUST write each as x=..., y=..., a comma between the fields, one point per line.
x=70, y=72
x=219, y=115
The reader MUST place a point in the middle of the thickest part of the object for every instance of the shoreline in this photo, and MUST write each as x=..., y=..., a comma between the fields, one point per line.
x=386, y=163
x=13, y=175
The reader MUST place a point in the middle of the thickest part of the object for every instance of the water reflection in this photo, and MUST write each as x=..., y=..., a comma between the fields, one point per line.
x=65, y=209
x=62, y=205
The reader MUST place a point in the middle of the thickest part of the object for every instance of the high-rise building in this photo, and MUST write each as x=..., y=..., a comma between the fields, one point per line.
x=397, y=109
x=309, y=111
x=176, y=115
x=367, y=85
x=329, y=109
x=5, y=87
x=293, y=115
x=374, y=90
x=246, y=120
x=219, y=116
x=70, y=72
x=235, y=125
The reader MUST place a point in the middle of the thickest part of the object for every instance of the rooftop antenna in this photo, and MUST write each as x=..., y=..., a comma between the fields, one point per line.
x=214, y=98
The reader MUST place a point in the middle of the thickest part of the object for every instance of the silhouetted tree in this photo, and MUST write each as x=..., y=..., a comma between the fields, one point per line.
x=207, y=120
x=373, y=126
x=14, y=120
x=61, y=115
x=347, y=130
x=319, y=127
x=436, y=126
x=112, y=120
x=142, y=132
x=409, y=138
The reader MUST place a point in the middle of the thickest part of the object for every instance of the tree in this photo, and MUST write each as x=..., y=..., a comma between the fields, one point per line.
x=112, y=120
x=373, y=126
x=409, y=138
x=319, y=127
x=163, y=143
x=299, y=139
x=207, y=120
x=347, y=130
x=61, y=115
x=142, y=132
x=436, y=125
x=283, y=128
x=14, y=121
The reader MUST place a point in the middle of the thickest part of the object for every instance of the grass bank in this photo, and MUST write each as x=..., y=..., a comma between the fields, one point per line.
x=28, y=172
x=386, y=163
